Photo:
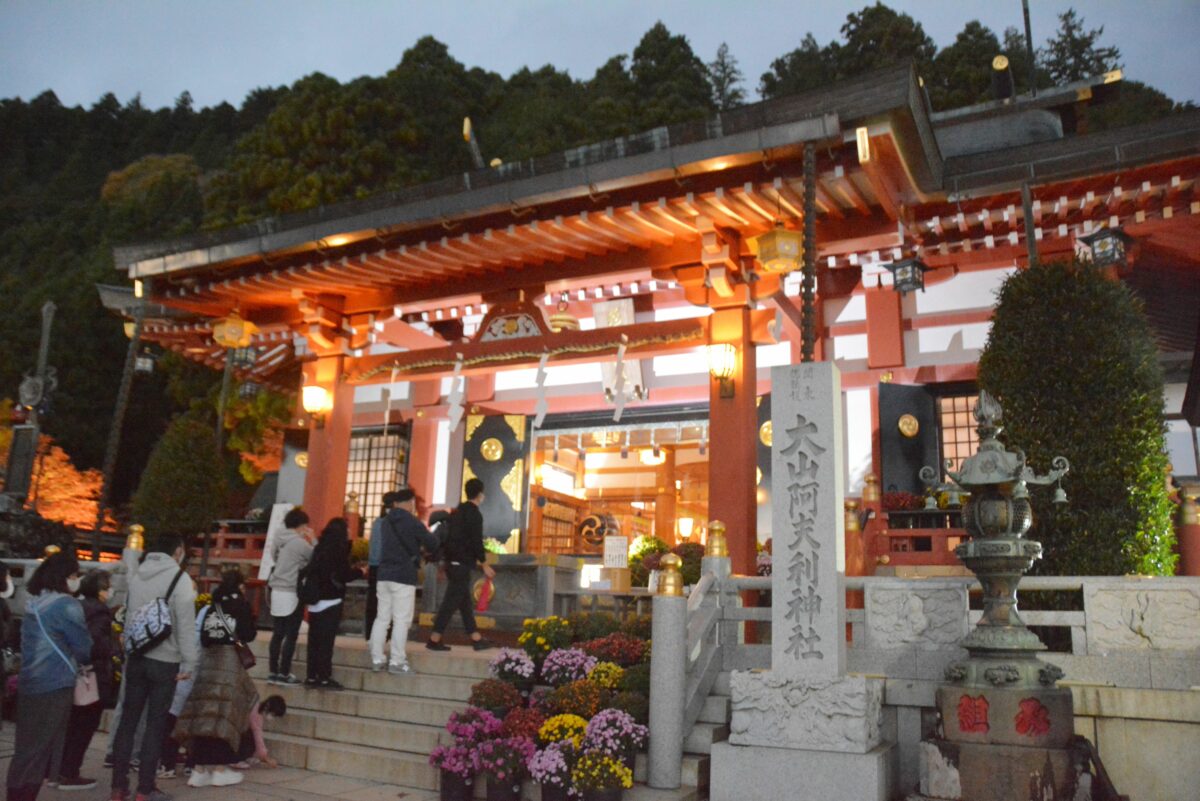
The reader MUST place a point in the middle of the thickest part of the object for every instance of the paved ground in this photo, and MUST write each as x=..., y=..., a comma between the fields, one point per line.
x=285, y=784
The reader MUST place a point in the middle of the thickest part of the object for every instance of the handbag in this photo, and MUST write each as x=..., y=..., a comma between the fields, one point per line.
x=244, y=654
x=87, y=689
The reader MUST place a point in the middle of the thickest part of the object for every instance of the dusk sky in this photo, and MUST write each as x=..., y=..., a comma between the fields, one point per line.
x=220, y=50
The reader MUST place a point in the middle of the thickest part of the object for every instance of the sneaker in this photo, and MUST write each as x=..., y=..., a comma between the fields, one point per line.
x=226, y=778
x=78, y=783
x=200, y=778
x=378, y=667
x=400, y=670
x=165, y=773
x=135, y=763
x=289, y=680
x=437, y=646
x=272, y=678
x=51, y=782
x=311, y=682
x=482, y=644
x=108, y=762
x=328, y=684
x=155, y=795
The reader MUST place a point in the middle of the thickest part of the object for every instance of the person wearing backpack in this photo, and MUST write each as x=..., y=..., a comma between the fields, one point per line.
x=323, y=590
x=290, y=555
x=161, y=647
x=54, y=645
x=400, y=557
x=462, y=550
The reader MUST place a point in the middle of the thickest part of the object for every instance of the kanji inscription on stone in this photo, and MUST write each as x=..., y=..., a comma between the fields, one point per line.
x=809, y=638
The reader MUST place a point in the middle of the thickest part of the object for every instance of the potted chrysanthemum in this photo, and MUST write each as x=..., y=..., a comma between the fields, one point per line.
x=597, y=776
x=458, y=767
x=616, y=733
x=551, y=768
x=506, y=763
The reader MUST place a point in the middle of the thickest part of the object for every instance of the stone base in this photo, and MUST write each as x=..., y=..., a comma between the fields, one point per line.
x=840, y=715
x=756, y=773
x=1039, y=717
x=974, y=772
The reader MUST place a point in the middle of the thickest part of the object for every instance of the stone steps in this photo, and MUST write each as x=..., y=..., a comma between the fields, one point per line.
x=702, y=736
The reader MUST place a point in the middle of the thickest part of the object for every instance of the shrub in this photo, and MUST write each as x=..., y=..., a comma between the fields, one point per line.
x=636, y=704
x=182, y=490
x=1073, y=362
x=692, y=554
x=580, y=698
x=590, y=625
x=618, y=647
x=495, y=694
x=566, y=665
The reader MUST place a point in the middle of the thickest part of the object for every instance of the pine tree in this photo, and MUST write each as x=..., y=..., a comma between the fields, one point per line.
x=1074, y=53
x=726, y=80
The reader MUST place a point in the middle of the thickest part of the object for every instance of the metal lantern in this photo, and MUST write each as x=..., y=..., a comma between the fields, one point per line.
x=144, y=362
x=779, y=250
x=908, y=274
x=248, y=390
x=1107, y=246
x=233, y=332
x=244, y=358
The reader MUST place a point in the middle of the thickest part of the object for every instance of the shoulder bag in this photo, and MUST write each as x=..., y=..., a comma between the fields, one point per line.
x=87, y=689
x=244, y=654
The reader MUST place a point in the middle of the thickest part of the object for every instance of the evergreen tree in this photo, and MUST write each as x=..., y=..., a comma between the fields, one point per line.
x=1073, y=53
x=807, y=67
x=669, y=80
x=962, y=73
x=877, y=36
x=726, y=80
x=183, y=488
x=1073, y=361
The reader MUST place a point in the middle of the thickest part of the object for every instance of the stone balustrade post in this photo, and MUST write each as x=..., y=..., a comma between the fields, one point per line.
x=668, y=685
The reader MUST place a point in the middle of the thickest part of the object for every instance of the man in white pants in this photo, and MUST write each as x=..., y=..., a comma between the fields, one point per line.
x=403, y=537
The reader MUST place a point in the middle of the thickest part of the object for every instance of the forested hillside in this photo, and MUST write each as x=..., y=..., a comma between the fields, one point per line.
x=74, y=182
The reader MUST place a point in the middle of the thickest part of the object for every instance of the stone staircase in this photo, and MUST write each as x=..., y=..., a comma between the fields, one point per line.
x=383, y=727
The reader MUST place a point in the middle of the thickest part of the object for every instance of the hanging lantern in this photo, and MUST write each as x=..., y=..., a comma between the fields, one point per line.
x=233, y=332
x=244, y=358
x=779, y=250
x=144, y=362
x=908, y=274
x=1107, y=247
x=562, y=319
x=248, y=390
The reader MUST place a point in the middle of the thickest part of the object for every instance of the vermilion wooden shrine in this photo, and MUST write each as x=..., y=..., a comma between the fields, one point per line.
x=494, y=274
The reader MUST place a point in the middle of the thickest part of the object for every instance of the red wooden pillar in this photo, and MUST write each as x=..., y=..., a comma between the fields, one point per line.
x=328, y=443
x=422, y=459
x=733, y=427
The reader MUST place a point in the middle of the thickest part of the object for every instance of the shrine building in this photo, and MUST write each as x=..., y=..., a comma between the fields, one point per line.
x=591, y=332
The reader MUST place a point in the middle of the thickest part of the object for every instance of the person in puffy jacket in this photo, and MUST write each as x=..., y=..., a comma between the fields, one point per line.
x=218, y=710
x=93, y=595
x=54, y=645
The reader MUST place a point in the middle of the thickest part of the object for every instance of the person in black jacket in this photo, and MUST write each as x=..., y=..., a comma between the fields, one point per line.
x=404, y=536
x=93, y=595
x=330, y=570
x=462, y=551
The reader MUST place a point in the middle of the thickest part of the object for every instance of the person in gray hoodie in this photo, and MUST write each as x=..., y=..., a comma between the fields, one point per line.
x=150, y=677
x=290, y=554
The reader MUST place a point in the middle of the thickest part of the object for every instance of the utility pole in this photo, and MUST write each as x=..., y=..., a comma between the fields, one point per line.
x=34, y=391
x=114, y=432
x=38, y=387
x=1029, y=51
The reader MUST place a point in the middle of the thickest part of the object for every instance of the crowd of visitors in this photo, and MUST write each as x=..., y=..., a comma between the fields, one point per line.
x=177, y=679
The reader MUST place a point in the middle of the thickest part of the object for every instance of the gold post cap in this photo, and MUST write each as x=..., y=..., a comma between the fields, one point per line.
x=717, y=544
x=136, y=541
x=671, y=580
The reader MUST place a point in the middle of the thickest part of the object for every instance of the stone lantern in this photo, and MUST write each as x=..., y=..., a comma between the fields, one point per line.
x=1003, y=721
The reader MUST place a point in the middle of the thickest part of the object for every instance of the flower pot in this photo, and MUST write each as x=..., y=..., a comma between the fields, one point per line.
x=611, y=794
x=554, y=792
x=629, y=758
x=455, y=787
x=498, y=711
x=503, y=789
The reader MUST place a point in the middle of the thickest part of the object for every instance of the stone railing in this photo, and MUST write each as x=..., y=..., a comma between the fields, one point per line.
x=1128, y=634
